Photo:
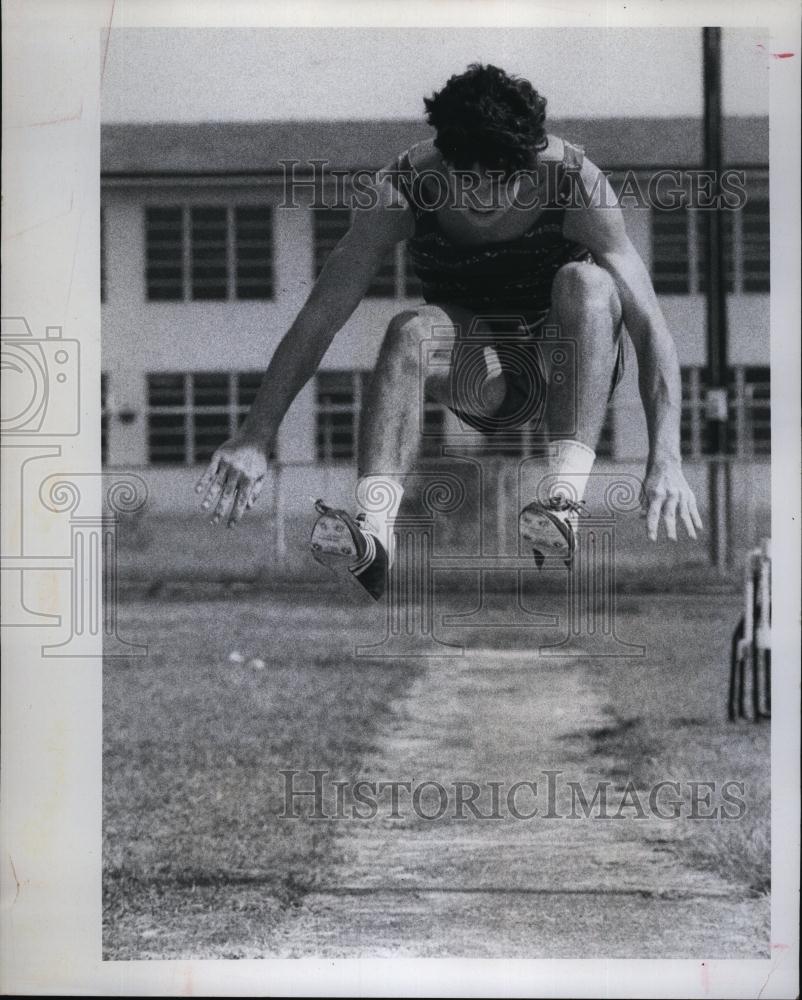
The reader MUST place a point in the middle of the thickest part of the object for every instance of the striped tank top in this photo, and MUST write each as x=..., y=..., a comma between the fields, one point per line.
x=512, y=275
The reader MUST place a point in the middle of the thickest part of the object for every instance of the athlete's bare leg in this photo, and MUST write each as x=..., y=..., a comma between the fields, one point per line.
x=414, y=358
x=414, y=364
x=587, y=310
x=586, y=307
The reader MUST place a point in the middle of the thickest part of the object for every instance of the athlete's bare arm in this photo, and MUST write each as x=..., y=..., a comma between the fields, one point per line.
x=235, y=475
x=598, y=224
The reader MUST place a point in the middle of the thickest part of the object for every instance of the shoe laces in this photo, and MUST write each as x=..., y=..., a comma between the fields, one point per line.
x=366, y=525
x=558, y=502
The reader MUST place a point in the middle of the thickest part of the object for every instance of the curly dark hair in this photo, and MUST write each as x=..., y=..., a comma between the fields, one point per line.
x=486, y=116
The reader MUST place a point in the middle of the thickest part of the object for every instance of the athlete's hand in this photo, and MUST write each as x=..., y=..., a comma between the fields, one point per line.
x=666, y=493
x=234, y=479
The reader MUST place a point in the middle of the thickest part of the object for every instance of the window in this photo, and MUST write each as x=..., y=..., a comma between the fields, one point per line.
x=208, y=252
x=679, y=245
x=339, y=396
x=212, y=417
x=190, y=414
x=749, y=428
x=700, y=222
x=755, y=244
x=670, y=261
x=679, y=250
x=395, y=278
x=254, y=252
x=169, y=438
x=104, y=418
x=339, y=400
x=102, y=255
x=164, y=251
x=752, y=405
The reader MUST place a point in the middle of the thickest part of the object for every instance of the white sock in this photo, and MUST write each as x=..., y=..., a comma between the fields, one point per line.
x=379, y=498
x=570, y=464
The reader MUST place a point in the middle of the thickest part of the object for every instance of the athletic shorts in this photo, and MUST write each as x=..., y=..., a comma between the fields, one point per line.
x=531, y=355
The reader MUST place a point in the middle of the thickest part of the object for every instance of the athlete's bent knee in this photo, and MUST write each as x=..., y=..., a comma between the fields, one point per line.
x=583, y=282
x=584, y=286
x=406, y=330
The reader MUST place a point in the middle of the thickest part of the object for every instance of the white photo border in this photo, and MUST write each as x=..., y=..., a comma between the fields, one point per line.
x=50, y=881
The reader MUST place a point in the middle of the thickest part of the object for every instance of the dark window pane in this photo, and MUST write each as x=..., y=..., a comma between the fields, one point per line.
x=335, y=386
x=211, y=389
x=757, y=389
x=211, y=430
x=755, y=222
x=247, y=386
x=727, y=232
x=338, y=419
x=167, y=438
x=336, y=416
x=670, y=265
x=254, y=248
x=333, y=399
x=166, y=389
x=164, y=254
x=209, y=238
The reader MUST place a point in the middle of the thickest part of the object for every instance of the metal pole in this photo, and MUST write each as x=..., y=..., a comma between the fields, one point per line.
x=719, y=485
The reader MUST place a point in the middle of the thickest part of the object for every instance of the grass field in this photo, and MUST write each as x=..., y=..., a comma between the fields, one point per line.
x=199, y=863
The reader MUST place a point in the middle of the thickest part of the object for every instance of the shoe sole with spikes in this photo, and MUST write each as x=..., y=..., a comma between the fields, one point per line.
x=546, y=535
x=339, y=544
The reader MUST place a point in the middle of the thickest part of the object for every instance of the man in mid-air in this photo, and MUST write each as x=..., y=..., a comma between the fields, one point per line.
x=512, y=232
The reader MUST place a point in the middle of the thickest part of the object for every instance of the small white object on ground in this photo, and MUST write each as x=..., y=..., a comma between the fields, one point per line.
x=235, y=657
x=257, y=663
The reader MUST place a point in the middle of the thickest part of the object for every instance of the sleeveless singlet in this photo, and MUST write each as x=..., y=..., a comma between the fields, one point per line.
x=512, y=275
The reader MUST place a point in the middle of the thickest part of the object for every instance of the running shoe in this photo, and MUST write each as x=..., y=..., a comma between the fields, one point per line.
x=549, y=529
x=340, y=542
